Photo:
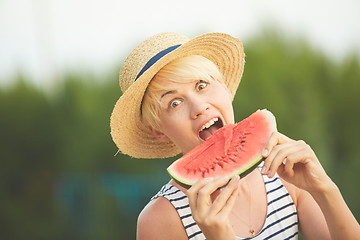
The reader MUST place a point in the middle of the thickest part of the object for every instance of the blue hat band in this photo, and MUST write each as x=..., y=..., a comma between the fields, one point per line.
x=156, y=58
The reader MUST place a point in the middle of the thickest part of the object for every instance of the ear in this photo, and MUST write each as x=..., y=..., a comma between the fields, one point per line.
x=159, y=135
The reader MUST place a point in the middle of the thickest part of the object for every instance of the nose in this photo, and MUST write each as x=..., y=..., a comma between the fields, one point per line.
x=198, y=107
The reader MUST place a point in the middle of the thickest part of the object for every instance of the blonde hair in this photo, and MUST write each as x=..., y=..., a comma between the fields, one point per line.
x=182, y=70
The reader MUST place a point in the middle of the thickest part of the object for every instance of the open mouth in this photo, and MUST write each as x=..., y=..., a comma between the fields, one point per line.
x=209, y=128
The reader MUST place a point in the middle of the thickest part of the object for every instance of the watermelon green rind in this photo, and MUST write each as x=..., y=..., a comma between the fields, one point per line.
x=181, y=182
x=249, y=167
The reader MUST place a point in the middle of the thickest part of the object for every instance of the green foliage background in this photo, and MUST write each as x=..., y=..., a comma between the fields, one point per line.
x=61, y=180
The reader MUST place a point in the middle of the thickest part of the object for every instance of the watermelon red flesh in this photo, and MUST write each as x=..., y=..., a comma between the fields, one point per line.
x=232, y=150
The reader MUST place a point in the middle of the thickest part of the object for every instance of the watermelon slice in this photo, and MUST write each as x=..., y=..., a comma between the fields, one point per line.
x=234, y=149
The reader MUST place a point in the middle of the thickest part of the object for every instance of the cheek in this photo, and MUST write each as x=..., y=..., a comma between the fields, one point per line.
x=222, y=96
x=225, y=104
x=170, y=125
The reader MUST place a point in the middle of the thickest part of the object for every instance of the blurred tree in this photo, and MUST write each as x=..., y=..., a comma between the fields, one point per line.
x=28, y=148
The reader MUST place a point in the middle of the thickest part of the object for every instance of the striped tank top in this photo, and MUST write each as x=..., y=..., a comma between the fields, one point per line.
x=281, y=219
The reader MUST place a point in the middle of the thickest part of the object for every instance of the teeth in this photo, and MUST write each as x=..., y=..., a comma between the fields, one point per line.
x=209, y=123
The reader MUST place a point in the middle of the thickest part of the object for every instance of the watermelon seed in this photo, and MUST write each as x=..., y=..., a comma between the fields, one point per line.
x=226, y=160
x=232, y=159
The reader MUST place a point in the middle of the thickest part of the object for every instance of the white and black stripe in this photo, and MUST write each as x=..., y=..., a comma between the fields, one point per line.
x=281, y=219
x=181, y=203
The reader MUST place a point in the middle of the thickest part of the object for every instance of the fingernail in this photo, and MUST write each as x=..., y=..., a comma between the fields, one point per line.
x=269, y=174
x=263, y=169
x=265, y=152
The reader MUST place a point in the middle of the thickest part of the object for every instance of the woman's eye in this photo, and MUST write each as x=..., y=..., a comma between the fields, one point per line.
x=201, y=85
x=175, y=103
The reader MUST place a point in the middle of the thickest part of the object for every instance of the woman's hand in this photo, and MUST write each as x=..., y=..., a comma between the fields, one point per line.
x=212, y=216
x=295, y=162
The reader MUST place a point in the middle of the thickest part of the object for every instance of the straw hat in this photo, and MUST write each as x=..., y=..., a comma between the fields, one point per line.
x=127, y=130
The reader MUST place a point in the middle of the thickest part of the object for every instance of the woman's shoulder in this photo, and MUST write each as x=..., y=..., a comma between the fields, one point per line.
x=160, y=220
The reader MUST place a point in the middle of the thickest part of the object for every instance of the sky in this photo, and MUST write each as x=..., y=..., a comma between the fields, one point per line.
x=46, y=38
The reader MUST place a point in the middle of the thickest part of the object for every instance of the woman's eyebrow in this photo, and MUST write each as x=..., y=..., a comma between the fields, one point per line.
x=167, y=93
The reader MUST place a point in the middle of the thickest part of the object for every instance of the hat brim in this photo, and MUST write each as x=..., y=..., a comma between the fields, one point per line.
x=127, y=130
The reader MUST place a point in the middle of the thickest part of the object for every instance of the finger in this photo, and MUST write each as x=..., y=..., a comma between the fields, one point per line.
x=204, y=194
x=289, y=165
x=270, y=157
x=301, y=156
x=229, y=203
x=211, y=187
x=274, y=139
x=225, y=194
x=192, y=192
x=201, y=192
x=278, y=155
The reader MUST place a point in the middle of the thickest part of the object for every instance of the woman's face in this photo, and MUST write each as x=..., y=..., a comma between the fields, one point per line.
x=193, y=111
